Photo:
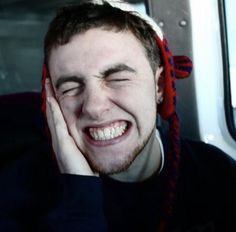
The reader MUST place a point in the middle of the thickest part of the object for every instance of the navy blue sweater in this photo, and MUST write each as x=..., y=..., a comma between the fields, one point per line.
x=34, y=197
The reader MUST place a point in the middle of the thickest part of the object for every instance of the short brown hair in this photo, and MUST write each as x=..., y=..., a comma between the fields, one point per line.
x=75, y=19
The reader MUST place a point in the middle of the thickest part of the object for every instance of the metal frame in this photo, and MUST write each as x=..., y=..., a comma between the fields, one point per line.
x=229, y=114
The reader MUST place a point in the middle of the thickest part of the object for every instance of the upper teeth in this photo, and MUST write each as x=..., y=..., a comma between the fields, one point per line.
x=107, y=133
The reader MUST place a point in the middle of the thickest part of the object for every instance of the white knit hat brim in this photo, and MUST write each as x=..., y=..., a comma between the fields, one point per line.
x=128, y=7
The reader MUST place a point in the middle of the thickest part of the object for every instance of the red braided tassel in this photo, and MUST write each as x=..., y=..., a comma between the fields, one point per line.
x=43, y=100
x=43, y=91
x=173, y=161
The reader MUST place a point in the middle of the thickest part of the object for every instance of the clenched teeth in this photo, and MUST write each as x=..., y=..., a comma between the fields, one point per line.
x=107, y=133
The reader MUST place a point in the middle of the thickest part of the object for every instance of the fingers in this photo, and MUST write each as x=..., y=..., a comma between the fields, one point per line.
x=48, y=87
x=57, y=126
x=55, y=118
x=69, y=158
x=56, y=123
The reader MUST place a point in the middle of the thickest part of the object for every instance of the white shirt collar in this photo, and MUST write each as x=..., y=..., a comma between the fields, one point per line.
x=162, y=151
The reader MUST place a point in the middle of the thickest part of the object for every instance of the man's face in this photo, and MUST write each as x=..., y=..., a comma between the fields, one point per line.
x=107, y=92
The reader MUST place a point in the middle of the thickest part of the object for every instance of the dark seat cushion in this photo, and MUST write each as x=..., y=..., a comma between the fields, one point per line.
x=21, y=125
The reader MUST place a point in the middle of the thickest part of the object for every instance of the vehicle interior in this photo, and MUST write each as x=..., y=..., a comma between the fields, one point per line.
x=205, y=100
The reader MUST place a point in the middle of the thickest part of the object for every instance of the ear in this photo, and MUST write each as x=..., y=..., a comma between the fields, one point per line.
x=159, y=82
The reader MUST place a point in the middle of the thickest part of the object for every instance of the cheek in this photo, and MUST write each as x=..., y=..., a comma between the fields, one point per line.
x=69, y=109
x=140, y=98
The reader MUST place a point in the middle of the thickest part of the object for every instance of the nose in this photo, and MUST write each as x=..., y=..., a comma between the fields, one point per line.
x=95, y=103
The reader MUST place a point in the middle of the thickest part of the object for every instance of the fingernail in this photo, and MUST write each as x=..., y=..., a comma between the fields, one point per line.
x=49, y=100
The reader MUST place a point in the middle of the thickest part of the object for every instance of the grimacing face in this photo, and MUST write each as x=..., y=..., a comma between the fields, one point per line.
x=108, y=95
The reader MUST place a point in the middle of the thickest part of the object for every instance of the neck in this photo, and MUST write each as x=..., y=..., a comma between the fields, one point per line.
x=147, y=162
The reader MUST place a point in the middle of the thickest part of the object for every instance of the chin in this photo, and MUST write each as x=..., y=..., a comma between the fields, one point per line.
x=110, y=165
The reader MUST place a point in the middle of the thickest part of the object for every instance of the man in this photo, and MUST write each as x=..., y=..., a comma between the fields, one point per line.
x=108, y=72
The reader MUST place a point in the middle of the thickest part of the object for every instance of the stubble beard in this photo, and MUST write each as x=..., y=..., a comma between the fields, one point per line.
x=112, y=167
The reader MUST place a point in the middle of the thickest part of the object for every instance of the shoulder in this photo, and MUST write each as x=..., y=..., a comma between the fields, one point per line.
x=207, y=170
x=206, y=156
x=206, y=187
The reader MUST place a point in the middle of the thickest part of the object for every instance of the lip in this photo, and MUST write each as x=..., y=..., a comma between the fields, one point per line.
x=101, y=143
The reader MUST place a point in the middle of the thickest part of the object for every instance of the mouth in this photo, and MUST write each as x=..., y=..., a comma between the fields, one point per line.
x=109, y=132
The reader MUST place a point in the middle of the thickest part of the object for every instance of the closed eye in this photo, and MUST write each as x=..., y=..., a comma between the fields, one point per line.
x=120, y=76
x=69, y=85
x=70, y=88
x=118, y=80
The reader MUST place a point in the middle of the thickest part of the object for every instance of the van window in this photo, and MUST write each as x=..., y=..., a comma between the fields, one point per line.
x=228, y=17
x=23, y=25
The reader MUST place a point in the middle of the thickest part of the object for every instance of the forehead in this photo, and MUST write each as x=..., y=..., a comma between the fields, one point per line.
x=95, y=48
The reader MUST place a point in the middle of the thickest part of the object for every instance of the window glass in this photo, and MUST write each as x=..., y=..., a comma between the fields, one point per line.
x=140, y=7
x=22, y=28
x=228, y=37
x=230, y=6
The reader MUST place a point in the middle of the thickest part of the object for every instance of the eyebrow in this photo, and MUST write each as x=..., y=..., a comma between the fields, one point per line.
x=115, y=69
x=63, y=79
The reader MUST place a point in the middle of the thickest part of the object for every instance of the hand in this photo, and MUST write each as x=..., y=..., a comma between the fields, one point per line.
x=69, y=157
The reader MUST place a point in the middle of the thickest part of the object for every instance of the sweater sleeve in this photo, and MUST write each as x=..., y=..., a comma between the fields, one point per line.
x=79, y=208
